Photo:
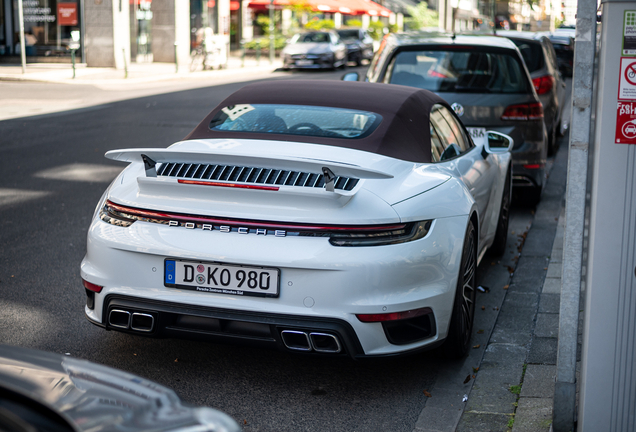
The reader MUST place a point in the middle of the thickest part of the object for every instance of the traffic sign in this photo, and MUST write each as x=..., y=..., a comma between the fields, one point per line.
x=625, y=123
x=627, y=79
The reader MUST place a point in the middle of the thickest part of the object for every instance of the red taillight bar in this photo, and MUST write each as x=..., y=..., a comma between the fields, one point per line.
x=393, y=316
x=92, y=287
x=527, y=111
x=230, y=185
x=533, y=166
x=205, y=219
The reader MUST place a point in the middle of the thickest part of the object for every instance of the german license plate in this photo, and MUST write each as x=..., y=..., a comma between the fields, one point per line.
x=222, y=278
x=478, y=135
x=304, y=62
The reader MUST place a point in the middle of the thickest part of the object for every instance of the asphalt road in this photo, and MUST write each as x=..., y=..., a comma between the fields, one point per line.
x=52, y=175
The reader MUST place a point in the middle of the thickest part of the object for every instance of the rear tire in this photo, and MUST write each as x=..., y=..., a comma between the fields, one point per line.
x=498, y=246
x=553, y=144
x=460, y=330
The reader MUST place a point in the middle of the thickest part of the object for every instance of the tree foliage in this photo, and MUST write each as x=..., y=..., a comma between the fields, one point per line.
x=318, y=24
x=421, y=16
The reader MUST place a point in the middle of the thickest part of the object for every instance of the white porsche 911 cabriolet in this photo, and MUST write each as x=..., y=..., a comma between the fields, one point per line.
x=325, y=217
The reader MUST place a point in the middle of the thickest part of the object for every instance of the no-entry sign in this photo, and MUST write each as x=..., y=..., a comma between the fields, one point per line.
x=626, y=123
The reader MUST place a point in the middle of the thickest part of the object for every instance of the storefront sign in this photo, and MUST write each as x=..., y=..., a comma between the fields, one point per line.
x=67, y=14
x=34, y=13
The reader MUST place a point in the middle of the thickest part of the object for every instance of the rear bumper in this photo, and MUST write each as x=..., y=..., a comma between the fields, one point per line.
x=319, y=283
x=300, y=334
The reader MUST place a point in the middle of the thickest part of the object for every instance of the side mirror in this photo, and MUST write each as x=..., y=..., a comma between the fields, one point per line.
x=498, y=142
x=351, y=76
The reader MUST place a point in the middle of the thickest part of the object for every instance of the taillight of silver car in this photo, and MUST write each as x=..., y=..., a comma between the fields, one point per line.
x=527, y=111
x=543, y=84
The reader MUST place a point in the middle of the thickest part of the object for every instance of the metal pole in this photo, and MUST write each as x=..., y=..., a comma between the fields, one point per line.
x=271, y=32
x=22, y=44
x=73, y=61
x=176, y=59
x=565, y=388
x=123, y=50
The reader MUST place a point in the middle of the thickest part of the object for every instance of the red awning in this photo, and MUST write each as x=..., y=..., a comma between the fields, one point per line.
x=347, y=7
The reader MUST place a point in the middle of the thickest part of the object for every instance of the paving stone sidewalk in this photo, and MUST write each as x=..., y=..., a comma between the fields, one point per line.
x=514, y=386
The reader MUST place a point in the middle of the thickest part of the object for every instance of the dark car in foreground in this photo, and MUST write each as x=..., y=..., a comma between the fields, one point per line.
x=315, y=50
x=41, y=391
x=542, y=63
x=359, y=44
x=485, y=80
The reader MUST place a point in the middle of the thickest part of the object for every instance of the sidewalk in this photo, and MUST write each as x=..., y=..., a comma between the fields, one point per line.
x=51, y=88
x=138, y=73
x=514, y=386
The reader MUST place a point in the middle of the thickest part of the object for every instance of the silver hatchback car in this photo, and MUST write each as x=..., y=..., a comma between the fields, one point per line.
x=541, y=60
x=485, y=80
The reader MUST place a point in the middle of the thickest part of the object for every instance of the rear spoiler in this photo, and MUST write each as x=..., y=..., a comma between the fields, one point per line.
x=152, y=156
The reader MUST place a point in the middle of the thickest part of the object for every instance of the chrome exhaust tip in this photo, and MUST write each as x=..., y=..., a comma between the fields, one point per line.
x=325, y=343
x=296, y=340
x=119, y=318
x=142, y=322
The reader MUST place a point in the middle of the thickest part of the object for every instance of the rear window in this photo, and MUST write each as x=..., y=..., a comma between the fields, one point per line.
x=296, y=120
x=458, y=71
x=349, y=34
x=311, y=38
x=532, y=54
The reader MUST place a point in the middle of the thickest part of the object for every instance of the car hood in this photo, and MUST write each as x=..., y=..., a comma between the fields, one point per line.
x=307, y=48
x=380, y=182
x=98, y=398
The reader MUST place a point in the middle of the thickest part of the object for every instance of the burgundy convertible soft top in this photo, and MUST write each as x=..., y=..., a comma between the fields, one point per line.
x=404, y=132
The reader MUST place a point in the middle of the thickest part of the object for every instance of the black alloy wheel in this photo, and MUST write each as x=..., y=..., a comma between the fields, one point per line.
x=460, y=330
x=498, y=246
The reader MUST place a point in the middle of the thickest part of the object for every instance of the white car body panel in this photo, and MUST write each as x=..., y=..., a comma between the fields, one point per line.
x=334, y=278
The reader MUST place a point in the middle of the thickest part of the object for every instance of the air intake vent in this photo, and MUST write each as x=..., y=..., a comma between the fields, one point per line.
x=267, y=176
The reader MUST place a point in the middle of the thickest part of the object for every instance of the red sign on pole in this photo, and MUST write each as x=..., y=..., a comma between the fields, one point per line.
x=626, y=123
x=67, y=14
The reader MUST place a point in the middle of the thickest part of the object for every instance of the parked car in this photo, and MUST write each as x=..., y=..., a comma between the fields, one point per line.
x=485, y=80
x=41, y=391
x=321, y=217
x=315, y=50
x=542, y=63
x=564, y=49
x=359, y=44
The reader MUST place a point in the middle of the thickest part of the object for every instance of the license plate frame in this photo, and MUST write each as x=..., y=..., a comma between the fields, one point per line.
x=214, y=274
x=478, y=134
x=304, y=62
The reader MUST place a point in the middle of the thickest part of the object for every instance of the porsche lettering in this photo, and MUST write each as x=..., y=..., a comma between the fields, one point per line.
x=228, y=228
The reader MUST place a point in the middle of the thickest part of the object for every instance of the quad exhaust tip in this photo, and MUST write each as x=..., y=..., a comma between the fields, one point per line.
x=119, y=318
x=137, y=321
x=142, y=322
x=311, y=341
